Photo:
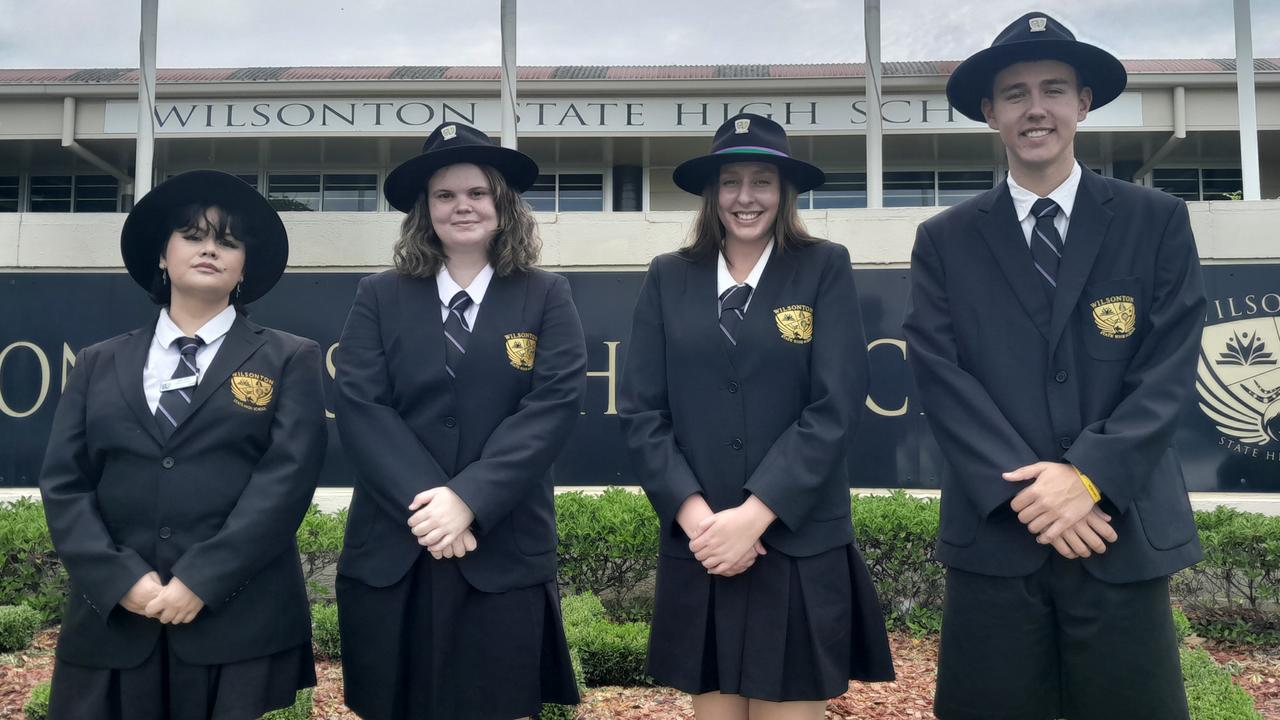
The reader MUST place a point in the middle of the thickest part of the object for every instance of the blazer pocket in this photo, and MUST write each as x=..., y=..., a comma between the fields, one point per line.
x=1111, y=317
x=535, y=531
x=1165, y=508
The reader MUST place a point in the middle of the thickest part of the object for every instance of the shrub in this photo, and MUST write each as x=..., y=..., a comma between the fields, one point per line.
x=608, y=543
x=18, y=625
x=610, y=653
x=1241, y=566
x=319, y=544
x=1210, y=693
x=37, y=705
x=896, y=534
x=324, y=631
x=32, y=575
x=1181, y=625
x=299, y=710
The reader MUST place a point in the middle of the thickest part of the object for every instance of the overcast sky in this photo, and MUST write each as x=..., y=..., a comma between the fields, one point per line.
x=241, y=33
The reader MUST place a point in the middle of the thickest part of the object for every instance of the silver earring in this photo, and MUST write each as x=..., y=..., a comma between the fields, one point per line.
x=238, y=286
x=164, y=276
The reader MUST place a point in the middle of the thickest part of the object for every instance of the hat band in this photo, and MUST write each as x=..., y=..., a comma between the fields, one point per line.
x=751, y=150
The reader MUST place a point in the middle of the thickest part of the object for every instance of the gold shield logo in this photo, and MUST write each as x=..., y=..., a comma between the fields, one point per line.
x=795, y=323
x=520, y=350
x=1116, y=316
x=1238, y=379
x=252, y=391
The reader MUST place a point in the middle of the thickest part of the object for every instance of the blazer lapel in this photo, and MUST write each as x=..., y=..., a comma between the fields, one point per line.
x=503, y=298
x=1090, y=219
x=701, y=300
x=420, y=327
x=1000, y=228
x=777, y=274
x=129, y=360
x=241, y=341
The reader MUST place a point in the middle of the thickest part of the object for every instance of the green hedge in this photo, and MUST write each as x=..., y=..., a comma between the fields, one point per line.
x=324, y=631
x=18, y=626
x=1210, y=693
x=610, y=653
x=33, y=575
x=37, y=706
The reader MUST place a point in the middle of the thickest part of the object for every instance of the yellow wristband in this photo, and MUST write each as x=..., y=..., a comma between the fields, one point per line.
x=1088, y=485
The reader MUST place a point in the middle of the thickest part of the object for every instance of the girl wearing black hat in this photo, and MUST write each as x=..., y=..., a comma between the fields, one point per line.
x=459, y=377
x=182, y=458
x=741, y=391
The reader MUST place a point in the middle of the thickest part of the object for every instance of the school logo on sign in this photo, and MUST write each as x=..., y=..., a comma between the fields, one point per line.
x=1115, y=316
x=520, y=350
x=1238, y=378
x=252, y=391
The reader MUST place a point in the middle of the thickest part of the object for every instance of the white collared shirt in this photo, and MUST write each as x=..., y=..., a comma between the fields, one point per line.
x=724, y=280
x=1064, y=195
x=164, y=355
x=448, y=287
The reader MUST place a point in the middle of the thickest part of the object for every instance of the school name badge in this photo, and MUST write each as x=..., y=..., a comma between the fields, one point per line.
x=252, y=391
x=1116, y=316
x=520, y=350
x=795, y=323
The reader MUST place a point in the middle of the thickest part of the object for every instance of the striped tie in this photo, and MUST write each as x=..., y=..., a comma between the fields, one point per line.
x=732, y=304
x=1046, y=244
x=457, y=331
x=176, y=403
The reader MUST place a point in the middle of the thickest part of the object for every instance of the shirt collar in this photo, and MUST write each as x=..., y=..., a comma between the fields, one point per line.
x=1064, y=195
x=167, y=330
x=724, y=280
x=448, y=287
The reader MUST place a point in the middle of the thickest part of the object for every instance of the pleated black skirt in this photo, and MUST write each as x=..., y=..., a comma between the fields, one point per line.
x=164, y=687
x=790, y=628
x=432, y=647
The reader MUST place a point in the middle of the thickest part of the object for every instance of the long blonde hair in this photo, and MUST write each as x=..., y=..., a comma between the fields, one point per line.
x=515, y=245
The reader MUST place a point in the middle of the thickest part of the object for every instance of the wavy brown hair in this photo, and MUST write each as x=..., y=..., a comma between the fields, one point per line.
x=515, y=245
x=706, y=236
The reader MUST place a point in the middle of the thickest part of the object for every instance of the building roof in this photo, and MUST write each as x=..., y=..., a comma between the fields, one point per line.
x=922, y=68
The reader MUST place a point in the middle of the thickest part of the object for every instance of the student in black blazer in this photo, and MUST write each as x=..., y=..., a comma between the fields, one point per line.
x=738, y=413
x=1053, y=331
x=182, y=458
x=460, y=375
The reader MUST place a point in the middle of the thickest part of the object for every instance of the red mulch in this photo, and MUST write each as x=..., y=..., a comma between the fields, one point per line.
x=910, y=698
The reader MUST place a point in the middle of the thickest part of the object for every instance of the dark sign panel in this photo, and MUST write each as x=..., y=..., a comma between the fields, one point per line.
x=1229, y=436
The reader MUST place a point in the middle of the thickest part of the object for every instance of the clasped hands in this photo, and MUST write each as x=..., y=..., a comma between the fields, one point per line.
x=1057, y=509
x=442, y=523
x=725, y=542
x=172, y=603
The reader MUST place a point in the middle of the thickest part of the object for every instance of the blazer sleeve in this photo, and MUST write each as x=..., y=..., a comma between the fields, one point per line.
x=102, y=570
x=790, y=477
x=390, y=461
x=266, y=517
x=522, y=448
x=1120, y=452
x=645, y=413
x=976, y=439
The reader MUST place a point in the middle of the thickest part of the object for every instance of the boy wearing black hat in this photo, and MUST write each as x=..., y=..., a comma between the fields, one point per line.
x=1053, y=327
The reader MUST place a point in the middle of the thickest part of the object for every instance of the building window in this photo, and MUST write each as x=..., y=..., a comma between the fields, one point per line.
x=350, y=193
x=50, y=193
x=9, y=193
x=288, y=192
x=908, y=189
x=842, y=190
x=1199, y=183
x=955, y=186
x=96, y=193
x=567, y=192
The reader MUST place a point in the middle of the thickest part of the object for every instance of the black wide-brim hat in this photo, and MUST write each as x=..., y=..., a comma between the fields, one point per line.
x=1034, y=36
x=449, y=144
x=747, y=138
x=145, y=233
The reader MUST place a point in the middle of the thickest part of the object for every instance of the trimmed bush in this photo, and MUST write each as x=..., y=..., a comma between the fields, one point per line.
x=18, y=625
x=896, y=534
x=610, y=653
x=299, y=710
x=319, y=544
x=1241, y=566
x=324, y=631
x=33, y=575
x=1210, y=693
x=1181, y=625
x=37, y=705
x=608, y=543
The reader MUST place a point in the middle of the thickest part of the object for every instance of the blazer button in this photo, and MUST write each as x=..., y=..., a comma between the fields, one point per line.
x=733, y=386
x=1065, y=443
x=736, y=444
x=450, y=422
x=166, y=463
x=165, y=533
x=1061, y=376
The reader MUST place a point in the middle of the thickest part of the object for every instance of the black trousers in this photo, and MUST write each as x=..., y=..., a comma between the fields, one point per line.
x=1058, y=643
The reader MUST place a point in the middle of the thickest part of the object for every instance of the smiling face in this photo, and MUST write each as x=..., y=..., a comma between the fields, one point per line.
x=747, y=201
x=463, y=214
x=204, y=260
x=1035, y=106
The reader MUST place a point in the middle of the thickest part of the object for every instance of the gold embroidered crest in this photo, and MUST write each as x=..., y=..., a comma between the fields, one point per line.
x=520, y=350
x=795, y=322
x=1116, y=316
x=252, y=391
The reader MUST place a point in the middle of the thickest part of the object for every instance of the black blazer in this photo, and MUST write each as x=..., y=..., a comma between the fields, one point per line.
x=217, y=505
x=491, y=434
x=771, y=417
x=1008, y=377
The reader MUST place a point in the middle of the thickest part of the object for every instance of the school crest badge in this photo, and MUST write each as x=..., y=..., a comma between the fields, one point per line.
x=795, y=323
x=1038, y=24
x=741, y=126
x=1238, y=379
x=520, y=350
x=252, y=391
x=449, y=132
x=1116, y=316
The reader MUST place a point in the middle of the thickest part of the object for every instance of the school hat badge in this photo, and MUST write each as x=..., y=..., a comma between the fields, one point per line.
x=1034, y=36
x=747, y=138
x=449, y=144
x=266, y=244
